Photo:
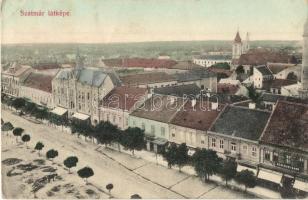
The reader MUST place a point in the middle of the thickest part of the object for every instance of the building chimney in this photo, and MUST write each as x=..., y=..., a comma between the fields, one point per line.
x=193, y=103
x=214, y=106
x=252, y=105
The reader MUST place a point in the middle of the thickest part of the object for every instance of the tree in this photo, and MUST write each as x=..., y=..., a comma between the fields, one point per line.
x=135, y=196
x=51, y=154
x=228, y=170
x=18, y=103
x=39, y=146
x=7, y=126
x=85, y=173
x=247, y=178
x=26, y=138
x=170, y=154
x=223, y=65
x=182, y=157
x=133, y=139
x=70, y=162
x=40, y=113
x=17, y=132
x=29, y=107
x=206, y=163
x=109, y=187
x=240, y=70
x=253, y=94
x=107, y=133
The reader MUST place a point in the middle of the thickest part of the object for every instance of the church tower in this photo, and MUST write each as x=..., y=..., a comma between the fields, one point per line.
x=246, y=45
x=79, y=64
x=237, y=46
x=303, y=92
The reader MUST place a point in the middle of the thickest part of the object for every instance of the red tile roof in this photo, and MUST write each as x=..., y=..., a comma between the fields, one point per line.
x=43, y=66
x=39, y=81
x=262, y=56
x=218, y=70
x=123, y=97
x=140, y=62
x=288, y=126
x=277, y=83
x=199, y=117
x=227, y=88
x=278, y=67
x=146, y=78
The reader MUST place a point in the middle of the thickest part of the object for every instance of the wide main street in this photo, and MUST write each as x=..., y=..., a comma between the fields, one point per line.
x=130, y=176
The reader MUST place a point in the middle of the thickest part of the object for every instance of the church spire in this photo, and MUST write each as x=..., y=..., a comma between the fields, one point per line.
x=237, y=38
x=79, y=61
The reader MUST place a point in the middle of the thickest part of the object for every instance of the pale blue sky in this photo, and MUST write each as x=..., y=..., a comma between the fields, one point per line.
x=153, y=20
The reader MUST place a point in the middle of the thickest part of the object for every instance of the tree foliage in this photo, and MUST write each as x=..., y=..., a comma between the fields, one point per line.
x=18, y=103
x=39, y=146
x=133, y=139
x=247, y=178
x=107, y=133
x=51, y=154
x=7, y=126
x=70, y=162
x=85, y=173
x=109, y=187
x=228, y=170
x=170, y=154
x=206, y=163
x=240, y=70
x=17, y=132
x=224, y=65
x=25, y=138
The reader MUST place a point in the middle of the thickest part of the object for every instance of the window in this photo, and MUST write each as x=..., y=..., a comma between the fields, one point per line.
x=267, y=155
x=221, y=144
x=202, y=141
x=162, y=130
x=113, y=118
x=254, y=151
x=173, y=135
x=213, y=142
x=88, y=96
x=245, y=149
x=275, y=156
x=233, y=146
x=152, y=129
x=288, y=159
x=143, y=126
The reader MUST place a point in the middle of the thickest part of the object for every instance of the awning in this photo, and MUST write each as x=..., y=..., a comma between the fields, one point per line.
x=241, y=167
x=59, y=111
x=301, y=185
x=270, y=175
x=160, y=141
x=80, y=116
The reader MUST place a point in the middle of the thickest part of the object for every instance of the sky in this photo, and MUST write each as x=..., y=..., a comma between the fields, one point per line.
x=107, y=21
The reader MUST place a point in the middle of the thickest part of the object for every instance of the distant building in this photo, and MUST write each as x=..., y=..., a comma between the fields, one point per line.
x=236, y=132
x=209, y=60
x=190, y=125
x=260, y=75
x=154, y=116
x=37, y=88
x=79, y=90
x=284, y=144
x=202, y=78
x=239, y=47
x=119, y=102
x=12, y=78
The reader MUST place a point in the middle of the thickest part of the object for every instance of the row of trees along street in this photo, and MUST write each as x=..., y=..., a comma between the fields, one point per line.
x=205, y=162
x=51, y=154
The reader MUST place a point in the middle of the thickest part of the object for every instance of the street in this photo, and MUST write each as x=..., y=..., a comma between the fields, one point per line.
x=132, y=176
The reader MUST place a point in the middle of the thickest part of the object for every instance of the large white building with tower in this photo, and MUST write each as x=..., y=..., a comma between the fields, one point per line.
x=239, y=47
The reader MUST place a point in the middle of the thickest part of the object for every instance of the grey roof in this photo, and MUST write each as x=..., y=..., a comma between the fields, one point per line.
x=179, y=90
x=268, y=97
x=159, y=108
x=264, y=70
x=194, y=75
x=89, y=76
x=241, y=122
x=215, y=57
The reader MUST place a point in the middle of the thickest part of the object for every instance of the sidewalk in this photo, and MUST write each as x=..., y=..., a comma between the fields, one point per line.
x=257, y=191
